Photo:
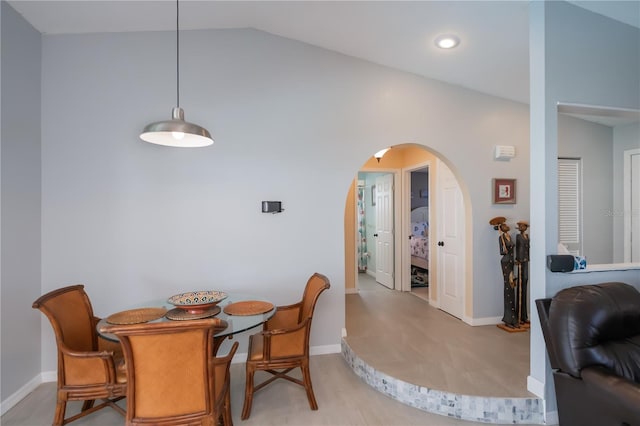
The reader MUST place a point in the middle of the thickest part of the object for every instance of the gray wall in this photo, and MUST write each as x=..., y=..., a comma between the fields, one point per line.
x=20, y=193
x=576, y=57
x=291, y=122
x=593, y=144
x=128, y=218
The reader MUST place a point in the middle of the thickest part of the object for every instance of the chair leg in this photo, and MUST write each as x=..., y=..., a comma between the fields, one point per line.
x=248, y=393
x=58, y=417
x=306, y=378
x=226, y=416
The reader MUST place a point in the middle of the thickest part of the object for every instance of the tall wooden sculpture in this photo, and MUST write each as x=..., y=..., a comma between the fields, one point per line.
x=522, y=263
x=510, y=317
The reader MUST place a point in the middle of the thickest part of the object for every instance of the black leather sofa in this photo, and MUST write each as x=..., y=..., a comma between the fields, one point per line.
x=592, y=333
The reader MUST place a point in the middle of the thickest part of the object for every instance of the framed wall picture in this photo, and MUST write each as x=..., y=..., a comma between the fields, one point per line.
x=373, y=195
x=504, y=191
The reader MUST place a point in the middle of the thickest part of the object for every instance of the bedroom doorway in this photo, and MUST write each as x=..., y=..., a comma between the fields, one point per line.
x=419, y=234
x=437, y=217
x=433, y=259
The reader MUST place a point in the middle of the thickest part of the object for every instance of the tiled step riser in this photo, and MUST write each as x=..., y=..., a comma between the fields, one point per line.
x=465, y=407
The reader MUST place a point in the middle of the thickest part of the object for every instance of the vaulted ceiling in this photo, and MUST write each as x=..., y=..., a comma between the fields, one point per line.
x=493, y=55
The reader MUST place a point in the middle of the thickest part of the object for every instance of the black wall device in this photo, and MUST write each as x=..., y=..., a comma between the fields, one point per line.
x=560, y=262
x=272, y=207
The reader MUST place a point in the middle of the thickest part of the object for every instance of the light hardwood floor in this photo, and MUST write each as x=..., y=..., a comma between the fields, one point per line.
x=403, y=336
x=343, y=399
x=432, y=349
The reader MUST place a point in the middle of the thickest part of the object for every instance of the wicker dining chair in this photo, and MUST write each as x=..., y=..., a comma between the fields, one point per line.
x=86, y=370
x=171, y=372
x=222, y=381
x=284, y=345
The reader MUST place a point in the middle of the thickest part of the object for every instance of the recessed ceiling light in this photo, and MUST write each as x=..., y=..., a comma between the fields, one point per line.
x=447, y=41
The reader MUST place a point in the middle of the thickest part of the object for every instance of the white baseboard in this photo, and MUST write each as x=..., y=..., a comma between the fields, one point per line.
x=535, y=386
x=240, y=358
x=350, y=291
x=482, y=321
x=551, y=418
x=17, y=396
x=49, y=376
x=325, y=349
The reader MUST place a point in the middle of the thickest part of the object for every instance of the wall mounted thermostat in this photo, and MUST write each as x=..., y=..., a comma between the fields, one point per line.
x=272, y=207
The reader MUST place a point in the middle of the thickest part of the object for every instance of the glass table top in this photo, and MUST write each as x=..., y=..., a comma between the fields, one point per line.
x=237, y=323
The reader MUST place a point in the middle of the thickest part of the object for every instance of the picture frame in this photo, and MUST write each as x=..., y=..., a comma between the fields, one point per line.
x=504, y=191
x=373, y=195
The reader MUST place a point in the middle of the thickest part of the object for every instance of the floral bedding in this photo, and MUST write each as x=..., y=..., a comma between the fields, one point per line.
x=420, y=247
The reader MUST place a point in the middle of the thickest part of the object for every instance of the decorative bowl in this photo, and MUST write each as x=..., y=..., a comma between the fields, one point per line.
x=196, y=302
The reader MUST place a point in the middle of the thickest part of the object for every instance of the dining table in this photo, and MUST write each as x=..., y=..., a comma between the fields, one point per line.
x=237, y=321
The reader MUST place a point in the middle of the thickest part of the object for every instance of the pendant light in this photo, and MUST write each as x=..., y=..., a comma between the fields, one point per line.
x=177, y=132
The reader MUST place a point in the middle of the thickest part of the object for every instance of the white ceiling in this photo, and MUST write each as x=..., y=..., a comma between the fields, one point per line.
x=493, y=56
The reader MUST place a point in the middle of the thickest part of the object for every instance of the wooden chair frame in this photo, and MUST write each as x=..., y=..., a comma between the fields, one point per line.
x=284, y=345
x=216, y=399
x=223, y=383
x=104, y=384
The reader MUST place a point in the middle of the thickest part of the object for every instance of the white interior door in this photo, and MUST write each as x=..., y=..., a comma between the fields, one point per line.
x=384, y=230
x=632, y=205
x=450, y=242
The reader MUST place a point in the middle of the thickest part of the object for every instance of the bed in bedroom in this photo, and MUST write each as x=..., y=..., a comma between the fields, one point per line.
x=419, y=241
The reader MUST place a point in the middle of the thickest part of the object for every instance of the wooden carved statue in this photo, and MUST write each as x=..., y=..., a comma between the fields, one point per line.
x=522, y=264
x=506, y=245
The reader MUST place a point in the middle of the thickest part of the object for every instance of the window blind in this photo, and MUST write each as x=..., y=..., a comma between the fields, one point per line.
x=570, y=204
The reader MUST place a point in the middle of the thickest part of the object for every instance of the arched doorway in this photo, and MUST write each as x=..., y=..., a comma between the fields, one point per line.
x=400, y=162
x=424, y=347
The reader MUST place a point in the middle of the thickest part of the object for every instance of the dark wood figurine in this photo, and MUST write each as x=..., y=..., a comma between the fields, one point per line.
x=506, y=245
x=522, y=264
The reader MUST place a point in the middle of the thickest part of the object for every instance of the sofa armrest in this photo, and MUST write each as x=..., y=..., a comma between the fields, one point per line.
x=620, y=396
x=543, y=306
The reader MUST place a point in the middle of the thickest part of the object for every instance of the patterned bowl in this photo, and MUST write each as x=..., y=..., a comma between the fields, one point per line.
x=196, y=302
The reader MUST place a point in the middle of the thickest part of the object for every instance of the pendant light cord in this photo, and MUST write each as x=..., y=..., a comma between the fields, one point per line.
x=177, y=132
x=177, y=54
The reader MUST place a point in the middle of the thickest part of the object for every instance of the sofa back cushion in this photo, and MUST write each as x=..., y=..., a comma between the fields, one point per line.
x=597, y=325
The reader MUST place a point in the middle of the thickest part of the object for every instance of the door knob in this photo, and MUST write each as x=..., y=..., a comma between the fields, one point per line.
x=441, y=243
x=375, y=235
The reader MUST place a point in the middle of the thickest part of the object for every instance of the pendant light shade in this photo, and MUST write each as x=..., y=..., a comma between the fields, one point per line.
x=177, y=132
